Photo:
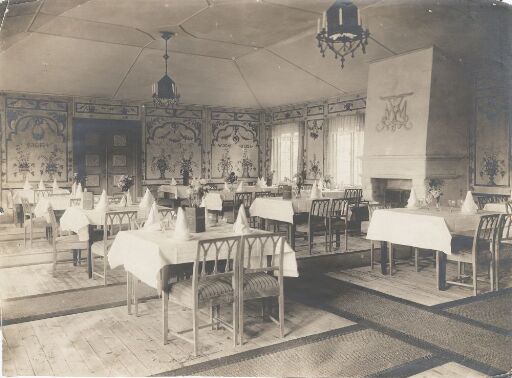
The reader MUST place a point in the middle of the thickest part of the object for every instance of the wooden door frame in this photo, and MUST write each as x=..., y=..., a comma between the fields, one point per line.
x=135, y=126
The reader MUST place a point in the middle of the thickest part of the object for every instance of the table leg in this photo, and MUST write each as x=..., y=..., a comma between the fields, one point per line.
x=129, y=292
x=291, y=235
x=390, y=258
x=441, y=270
x=89, y=253
x=384, y=257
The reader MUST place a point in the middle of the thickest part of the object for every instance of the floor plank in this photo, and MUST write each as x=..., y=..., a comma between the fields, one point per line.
x=452, y=370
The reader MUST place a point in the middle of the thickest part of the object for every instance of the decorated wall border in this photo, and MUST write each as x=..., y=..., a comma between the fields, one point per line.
x=346, y=106
x=174, y=112
x=101, y=110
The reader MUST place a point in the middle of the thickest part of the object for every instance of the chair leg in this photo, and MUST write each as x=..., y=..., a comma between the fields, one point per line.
x=25, y=234
x=371, y=255
x=135, y=285
x=491, y=274
x=128, y=293
x=241, y=320
x=31, y=233
x=195, y=329
x=459, y=269
x=475, y=281
x=496, y=268
x=416, y=257
x=165, y=315
x=326, y=240
x=105, y=271
x=281, y=314
x=390, y=258
x=346, y=237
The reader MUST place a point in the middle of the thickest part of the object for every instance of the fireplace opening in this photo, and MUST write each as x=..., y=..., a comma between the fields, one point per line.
x=391, y=192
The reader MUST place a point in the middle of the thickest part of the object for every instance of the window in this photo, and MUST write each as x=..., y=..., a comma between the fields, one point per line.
x=345, y=149
x=285, y=150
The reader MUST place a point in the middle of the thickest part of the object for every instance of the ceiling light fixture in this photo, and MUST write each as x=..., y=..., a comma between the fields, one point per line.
x=341, y=31
x=165, y=92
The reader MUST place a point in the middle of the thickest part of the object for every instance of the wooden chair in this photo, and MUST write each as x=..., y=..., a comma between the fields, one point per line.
x=75, y=202
x=317, y=221
x=503, y=246
x=280, y=189
x=508, y=207
x=41, y=193
x=480, y=248
x=242, y=198
x=483, y=199
x=12, y=206
x=338, y=221
x=62, y=243
x=214, y=283
x=211, y=187
x=353, y=196
x=28, y=220
x=114, y=222
x=308, y=187
x=261, y=275
x=262, y=195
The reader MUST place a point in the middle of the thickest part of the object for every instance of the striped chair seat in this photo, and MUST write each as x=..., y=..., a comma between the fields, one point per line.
x=217, y=289
x=260, y=284
x=97, y=248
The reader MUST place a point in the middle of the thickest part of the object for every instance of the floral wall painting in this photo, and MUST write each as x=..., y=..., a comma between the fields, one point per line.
x=314, y=168
x=168, y=141
x=234, y=148
x=36, y=141
x=492, y=142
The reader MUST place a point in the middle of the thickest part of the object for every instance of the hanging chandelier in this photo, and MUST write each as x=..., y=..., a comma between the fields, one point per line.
x=341, y=31
x=165, y=92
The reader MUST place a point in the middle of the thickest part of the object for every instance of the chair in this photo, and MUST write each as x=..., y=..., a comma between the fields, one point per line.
x=354, y=196
x=503, y=243
x=75, y=202
x=214, y=283
x=338, y=221
x=280, y=189
x=261, y=275
x=508, y=207
x=466, y=250
x=41, y=193
x=371, y=208
x=28, y=220
x=11, y=205
x=242, y=198
x=114, y=222
x=317, y=221
x=62, y=243
x=307, y=187
x=211, y=187
x=483, y=199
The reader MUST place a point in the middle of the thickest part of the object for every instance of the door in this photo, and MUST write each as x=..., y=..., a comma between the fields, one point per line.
x=105, y=150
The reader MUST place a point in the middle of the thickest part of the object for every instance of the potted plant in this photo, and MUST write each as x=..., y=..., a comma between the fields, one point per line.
x=327, y=181
x=299, y=179
x=195, y=214
x=186, y=169
x=231, y=179
x=434, y=191
x=492, y=167
x=161, y=163
x=79, y=178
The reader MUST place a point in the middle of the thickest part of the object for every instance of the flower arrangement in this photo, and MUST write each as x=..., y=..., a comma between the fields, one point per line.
x=314, y=167
x=125, y=183
x=161, y=163
x=231, y=178
x=492, y=166
x=225, y=165
x=299, y=179
x=328, y=181
x=52, y=163
x=196, y=191
x=434, y=189
x=23, y=165
x=79, y=178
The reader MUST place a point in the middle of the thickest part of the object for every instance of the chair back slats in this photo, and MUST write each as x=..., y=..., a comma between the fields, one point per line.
x=216, y=258
x=353, y=195
x=280, y=189
x=484, y=199
x=254, y=256
x=166, y=212
x=116, y=221
x=508, y=207
x=487, y=229
x=338, y=208
x=212, y=187
x=262, y=194
x=75, y=202
x=319, y=208
x=308, y=187
x=27, y=209
x=504, y=231
x=376, y=206
x=41, y=193
x=244, y=198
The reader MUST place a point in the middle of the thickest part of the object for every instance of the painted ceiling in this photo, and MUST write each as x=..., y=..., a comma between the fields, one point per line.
x=241, y=53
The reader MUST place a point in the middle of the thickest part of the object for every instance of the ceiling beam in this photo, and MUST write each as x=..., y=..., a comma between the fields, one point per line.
x=246, y=83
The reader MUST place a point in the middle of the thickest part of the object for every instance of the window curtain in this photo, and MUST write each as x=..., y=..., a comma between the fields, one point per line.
x=345, y=149
x=285, y=150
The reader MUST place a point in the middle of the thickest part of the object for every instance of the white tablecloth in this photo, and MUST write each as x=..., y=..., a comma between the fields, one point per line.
x=214, y=200
x=279, y=209
x=496, y=207
x=426, y=229
x=145, y=253
x=179, y=191
x=21, y=193
x=60, y=202
x=333, y=193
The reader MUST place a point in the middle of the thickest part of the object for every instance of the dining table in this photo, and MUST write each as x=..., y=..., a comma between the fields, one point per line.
x=496, y=207
x=424, y=228
x=58, y=202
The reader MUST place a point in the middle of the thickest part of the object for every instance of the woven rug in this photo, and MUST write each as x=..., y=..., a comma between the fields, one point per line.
x=34, y=307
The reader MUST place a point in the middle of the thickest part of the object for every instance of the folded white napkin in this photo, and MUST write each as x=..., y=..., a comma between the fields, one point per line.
x=241, y=225
x=128, y=198
x=469, y=206
x=263, y=182
x=315, y=192
x=41, y=185
x=412, y=202
x=173, y=182
x=55, y=186
x=102, y=204
x=79, y=193
x=226, y=187
x=147, y=200
x=241, y=187
x=73, y=189
x=27, y=185
x=181, y=231
x=258, y=184
x=321, y=184
x=123, y=202
x=153, y=221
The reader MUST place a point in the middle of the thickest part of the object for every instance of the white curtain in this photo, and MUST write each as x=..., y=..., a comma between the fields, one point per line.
x=345, y=149
x=285, y=150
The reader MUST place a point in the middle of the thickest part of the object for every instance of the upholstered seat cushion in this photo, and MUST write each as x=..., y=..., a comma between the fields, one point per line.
x=97, y=248
x=67, y=242
x=260, y=284
x=315, y=226
x=462, y=249
x=217, y=290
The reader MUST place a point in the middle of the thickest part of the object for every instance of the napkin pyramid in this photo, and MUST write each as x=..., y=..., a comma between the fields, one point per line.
x=181, y=231
x=226, y=187
x=103, y=202
x=147, y=200
x=321, y=184
x=78, y=192
x=153, y=221
x=123, y=202
x=412, y=202
x=241, y=226
x=55, y=186
x=241, y=187
x=469, y=206
x=258, y=184
x=27, y=185
x=41, y=185
x=315, y=191
x=173, y=182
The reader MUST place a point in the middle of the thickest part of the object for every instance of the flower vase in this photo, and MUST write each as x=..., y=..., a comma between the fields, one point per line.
x=438, y=205
x=186, y=179
x=196, y=219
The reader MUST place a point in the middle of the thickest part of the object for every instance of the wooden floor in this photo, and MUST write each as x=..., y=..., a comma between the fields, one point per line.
x=406, y=283
x=112, y=343
x=452, y=370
